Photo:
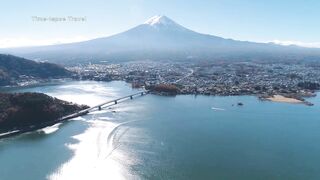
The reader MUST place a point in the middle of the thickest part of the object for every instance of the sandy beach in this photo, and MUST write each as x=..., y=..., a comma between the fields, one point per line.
x=280, y=98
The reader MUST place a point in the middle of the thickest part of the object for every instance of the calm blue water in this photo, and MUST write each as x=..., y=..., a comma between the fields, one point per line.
x=156, y=137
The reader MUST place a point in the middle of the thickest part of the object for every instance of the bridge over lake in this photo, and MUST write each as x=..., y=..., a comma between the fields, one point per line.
x=104, y=105
x=74, y=115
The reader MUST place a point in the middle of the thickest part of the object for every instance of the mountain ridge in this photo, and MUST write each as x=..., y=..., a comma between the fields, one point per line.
x=13, y=68
x=160, y=38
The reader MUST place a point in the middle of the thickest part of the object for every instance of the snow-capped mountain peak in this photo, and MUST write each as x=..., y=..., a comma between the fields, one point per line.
x=160, y=38
x=159, y=20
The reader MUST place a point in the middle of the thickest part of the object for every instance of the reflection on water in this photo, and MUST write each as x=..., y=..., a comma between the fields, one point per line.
x=95, y=153
x=89, y=160
x=91, y=154
x=180, y=137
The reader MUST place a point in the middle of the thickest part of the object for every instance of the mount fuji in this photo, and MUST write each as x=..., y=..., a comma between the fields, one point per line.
x=160, y=38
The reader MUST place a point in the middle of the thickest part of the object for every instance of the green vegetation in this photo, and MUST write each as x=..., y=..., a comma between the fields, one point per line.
x=13, y=69
x=21, y=110
x=164, y=89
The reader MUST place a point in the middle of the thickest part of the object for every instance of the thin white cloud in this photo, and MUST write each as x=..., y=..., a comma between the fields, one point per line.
x=298, y=43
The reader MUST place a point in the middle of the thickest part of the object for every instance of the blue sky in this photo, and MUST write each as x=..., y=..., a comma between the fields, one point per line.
x=288, y=21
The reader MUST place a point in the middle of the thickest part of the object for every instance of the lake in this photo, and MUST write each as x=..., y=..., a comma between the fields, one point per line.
x=156, y=137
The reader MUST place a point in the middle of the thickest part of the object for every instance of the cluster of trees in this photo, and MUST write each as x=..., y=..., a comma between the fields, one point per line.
x=21, y=110
x=169, y=89
x=12, y=67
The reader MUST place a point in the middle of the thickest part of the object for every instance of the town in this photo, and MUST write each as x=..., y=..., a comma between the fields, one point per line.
x=296, y=80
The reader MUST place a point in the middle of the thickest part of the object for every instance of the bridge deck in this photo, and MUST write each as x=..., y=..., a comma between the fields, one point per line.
x=74, y=115
x=104, y=105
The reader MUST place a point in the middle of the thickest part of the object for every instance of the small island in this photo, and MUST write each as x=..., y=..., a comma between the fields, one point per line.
x=164, y=89
x=23, y=112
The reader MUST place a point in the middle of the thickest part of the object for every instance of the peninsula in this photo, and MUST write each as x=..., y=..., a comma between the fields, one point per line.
x=29, y=111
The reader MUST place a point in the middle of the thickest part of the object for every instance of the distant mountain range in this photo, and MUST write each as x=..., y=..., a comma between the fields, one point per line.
x=160, y=38
x=13, y=69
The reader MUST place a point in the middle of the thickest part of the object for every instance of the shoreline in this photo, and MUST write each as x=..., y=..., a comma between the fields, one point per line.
x=24, y=112
x=44, y=82
x=35, y=127
x=274, y=98
x=283, y=99
x=289, y=100
x=280, y=98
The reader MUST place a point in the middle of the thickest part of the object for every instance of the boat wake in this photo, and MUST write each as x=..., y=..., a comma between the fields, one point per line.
x=92, y=152
x=217, y=109
x=111, y=137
